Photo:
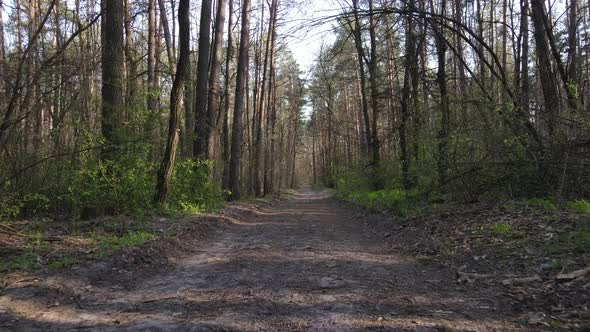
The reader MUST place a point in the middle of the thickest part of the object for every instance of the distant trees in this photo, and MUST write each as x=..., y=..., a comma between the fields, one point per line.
x=449, y=101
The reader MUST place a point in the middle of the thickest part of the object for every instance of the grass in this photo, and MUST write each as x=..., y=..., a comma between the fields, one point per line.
x=501, y=228
x=35, y=244
x=543, y=203
x=65, y=261
x=30, y=258
x=26, y=261
x=109, y=244
x=580, y=206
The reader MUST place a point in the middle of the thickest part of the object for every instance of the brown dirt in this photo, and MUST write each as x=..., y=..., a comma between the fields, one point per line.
x=310, y=263
x=524, y=263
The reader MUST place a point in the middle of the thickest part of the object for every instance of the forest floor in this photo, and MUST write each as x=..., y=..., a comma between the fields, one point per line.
x=308, y=263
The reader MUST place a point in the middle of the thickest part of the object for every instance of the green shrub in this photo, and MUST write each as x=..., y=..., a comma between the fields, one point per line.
x=580, y=206
x=347, y=181
x=89, y=187
x=501, y=228
x=10, y=207
x=108, y=244
x=396, y=201
x=191, y=190
x=124, y=185
x=16, y=205
x=541, y=203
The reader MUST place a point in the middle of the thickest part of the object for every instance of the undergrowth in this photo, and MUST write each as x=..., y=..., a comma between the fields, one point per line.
x=354, y=185
x=393, y=200
x=35, y=253
x=501, y=228
x=109, y=244
x=123, y=186
x=543, y=203
x=25, y=261
x=580, y=206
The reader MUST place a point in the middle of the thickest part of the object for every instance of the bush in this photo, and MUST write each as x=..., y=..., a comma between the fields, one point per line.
x=347, y=181
x=122, y=185
x=15, y=205
x=501, y=228
x=89, y=187
x=396, y=201
x=191, y=190
x=580, y=206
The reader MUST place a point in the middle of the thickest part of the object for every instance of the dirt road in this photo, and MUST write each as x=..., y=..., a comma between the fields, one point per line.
x=309, y=263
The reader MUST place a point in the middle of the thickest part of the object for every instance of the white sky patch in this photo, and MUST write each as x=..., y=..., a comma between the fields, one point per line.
x=307, y=26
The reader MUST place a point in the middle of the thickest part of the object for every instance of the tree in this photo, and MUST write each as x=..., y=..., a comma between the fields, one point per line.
x=241, y=80
x=202, y=120
x=225, y=141
x=167, y=165
x=547, y=76
x=113, y=74
x=441, y=78
x=152, y=90
x=214, y=86
x=264, y=102
x=358, y=41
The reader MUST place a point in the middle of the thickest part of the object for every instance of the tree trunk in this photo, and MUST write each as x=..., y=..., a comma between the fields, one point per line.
x=151, y=62
x=269, y=164
x=363, y=81
x=113, y=74
x=524, y=72
x=4, y=83
x=410, y=57
x=167, y=166
x=225, y=126
x=441, y=78
x=374, y=97
x=547, y=76
x=167, y=38
x=572, y=54
x=241, y=79
x=214, y=87
x=202, y=124
x=261, y=189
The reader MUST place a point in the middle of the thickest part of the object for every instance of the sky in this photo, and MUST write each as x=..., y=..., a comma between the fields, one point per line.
x=307, y=26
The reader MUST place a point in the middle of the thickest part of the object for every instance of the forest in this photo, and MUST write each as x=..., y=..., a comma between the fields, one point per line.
x=123, y=120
